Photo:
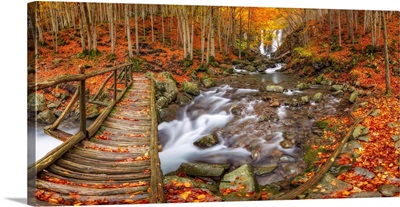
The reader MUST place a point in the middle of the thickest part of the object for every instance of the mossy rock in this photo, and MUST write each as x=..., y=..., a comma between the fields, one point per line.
x=191, y=88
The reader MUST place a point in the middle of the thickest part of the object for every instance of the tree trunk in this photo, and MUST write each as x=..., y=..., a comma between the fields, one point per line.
x=212, y=32
x=111, y=22
x=94, y=24
x=136, y=30
x=387, y=71
x=86, y=14
x=128, y=30
x=81, y=30
x=152, y=23
x=340, y=30
x=162, y=24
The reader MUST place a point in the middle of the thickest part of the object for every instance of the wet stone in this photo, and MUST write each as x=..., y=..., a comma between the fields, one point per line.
x=206, y=141
x=203, y=169
x=286, y=158
x=286, y=144
x=264, y=169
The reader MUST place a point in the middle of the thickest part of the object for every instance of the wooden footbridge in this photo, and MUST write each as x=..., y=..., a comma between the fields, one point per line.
x=113, y=161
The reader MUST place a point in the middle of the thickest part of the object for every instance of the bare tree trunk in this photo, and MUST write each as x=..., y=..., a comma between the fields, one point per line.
x=143, y=19
x=86, y=13
x=152, y=23
x=340, y=30
x=208, y=38
x=387, y=72
x=81, y=30
x=212, y=33
x=111, y=22
x=162, y=24
x=55, y=29
x=128, y=30
x=203, y=33
x=136, y=30
x=240, y=34
x=94, y=24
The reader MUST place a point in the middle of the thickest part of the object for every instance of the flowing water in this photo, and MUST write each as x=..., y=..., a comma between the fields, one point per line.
x=39, y=143
x=252, y=135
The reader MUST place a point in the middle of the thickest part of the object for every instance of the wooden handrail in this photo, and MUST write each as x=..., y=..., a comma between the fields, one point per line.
x=68, y=78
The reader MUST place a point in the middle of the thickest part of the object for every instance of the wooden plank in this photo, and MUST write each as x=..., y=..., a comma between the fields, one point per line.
x=104, y=155
x=96, y=177
x=96, y=169
x=46, y=175
x=85, y=160
x=66, y=189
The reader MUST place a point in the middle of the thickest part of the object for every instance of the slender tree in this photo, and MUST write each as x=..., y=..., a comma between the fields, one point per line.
x=128, y=30
x=387, y=72
x=136, y=30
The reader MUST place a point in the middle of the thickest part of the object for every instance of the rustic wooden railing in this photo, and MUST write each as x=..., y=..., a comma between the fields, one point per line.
x=84, y=132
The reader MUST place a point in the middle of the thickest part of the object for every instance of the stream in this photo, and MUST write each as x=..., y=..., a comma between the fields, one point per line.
x=248, y=128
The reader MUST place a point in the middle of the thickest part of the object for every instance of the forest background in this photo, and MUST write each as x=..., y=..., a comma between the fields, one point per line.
x=13, y=92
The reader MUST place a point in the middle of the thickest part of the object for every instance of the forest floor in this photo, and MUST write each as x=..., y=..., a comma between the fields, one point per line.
x=380, y=155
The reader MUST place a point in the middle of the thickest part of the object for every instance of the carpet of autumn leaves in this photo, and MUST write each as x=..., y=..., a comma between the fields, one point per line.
x=379, y=155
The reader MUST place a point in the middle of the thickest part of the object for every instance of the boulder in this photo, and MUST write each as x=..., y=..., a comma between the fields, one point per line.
x=388, y=190
x=207, y=141
x=202, y=169
x=208, y=82
x=317, y=97
x=337, y=88
x=397, y=145
x=191, y=88
x=250, y=68
x=395, y=138
x=366, y=195
x=353, y=96
x=176, y=180
x=286, y=144
x=183, y=99
x=161, y=102
x=36, y=102
x=264, y=169
x=337, y=93
x=274, y=88
x=46, y=117
x=289, y=135
x=239, y=185
x=376, y=113
x=236, y=110
x=305, y=100
x=302, y=86
x=261, y=68
x=360, y=131
x=364, y=172
x=329, y=184
x=274, y=103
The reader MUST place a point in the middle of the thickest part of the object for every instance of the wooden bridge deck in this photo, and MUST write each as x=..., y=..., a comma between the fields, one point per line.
x=112, y=167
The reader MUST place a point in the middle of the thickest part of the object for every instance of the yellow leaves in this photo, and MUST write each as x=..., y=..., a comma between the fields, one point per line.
x=201, y=197
x=187, y=184
x=53, y=201
x=185, y=194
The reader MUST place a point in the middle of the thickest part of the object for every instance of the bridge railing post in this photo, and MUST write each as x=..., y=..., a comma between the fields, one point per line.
x=115, y=85
x=82, y=102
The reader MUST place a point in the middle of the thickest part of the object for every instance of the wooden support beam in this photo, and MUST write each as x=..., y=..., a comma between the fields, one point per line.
x=82, y=102
x=64, y=113
x=156, y=180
